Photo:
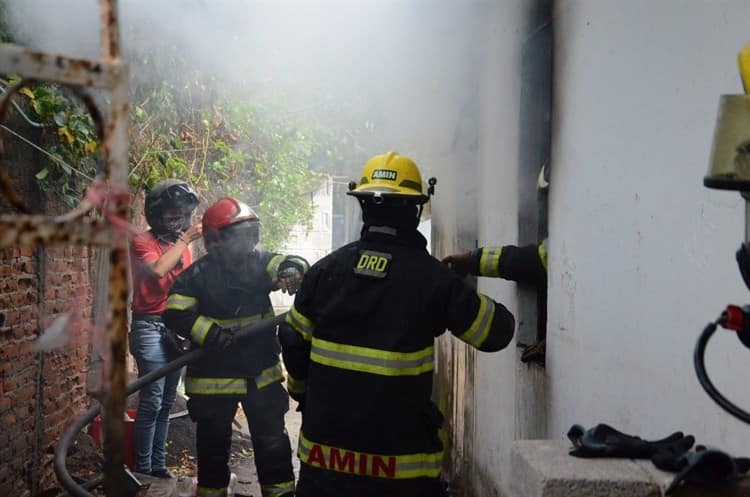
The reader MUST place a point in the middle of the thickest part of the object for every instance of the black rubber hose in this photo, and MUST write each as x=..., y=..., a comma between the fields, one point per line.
x=705, y=381
x=61, y=452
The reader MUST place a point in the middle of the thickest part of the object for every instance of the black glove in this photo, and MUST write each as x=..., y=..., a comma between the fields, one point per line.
x=605, y=441
x=703, y=468
x=290, y=279
x=461, y=263
x=220, y=339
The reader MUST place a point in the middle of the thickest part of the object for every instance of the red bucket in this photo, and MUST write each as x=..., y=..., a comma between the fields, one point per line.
x=129, y=420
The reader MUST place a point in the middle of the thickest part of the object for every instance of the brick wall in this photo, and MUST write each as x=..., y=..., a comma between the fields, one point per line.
x=40, y=393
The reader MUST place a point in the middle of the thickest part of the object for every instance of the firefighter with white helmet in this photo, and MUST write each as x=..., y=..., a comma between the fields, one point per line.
x=358, y=346
x=220, y=293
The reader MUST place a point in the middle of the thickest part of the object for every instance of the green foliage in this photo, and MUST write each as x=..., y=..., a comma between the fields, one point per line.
x=68, y=136
x=185, y=124
x=222, y=146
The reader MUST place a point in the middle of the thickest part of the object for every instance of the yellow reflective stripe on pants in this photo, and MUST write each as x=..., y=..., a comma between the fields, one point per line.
x=543, y=253
x=391, y=466
x=177, y=302
x=272, y=268
x=300, y=323
x=294, y=385
x=269, y=375
x=200, y=329
x=215, y=386
x=375, y=361
x=489, y=261
x=277, y=489
x=480, y=328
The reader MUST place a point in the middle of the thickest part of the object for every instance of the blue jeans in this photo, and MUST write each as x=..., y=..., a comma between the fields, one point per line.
x=155, y=399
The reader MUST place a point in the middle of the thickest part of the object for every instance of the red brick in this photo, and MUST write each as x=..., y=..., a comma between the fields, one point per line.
x=8, y=418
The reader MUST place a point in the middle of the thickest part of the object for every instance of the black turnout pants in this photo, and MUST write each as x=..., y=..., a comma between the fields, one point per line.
x=264, y=410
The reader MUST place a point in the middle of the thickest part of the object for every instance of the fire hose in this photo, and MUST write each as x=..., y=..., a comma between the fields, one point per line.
x=734, y=318
x=61, y=452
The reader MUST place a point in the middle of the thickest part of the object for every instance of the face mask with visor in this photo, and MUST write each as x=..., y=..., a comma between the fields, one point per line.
x=237, y=242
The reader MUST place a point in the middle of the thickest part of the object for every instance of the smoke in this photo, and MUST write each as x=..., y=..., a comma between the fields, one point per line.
x=407, y=66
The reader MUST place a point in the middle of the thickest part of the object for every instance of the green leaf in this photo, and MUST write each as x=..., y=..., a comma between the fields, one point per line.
x=46, y=105
x=42, y=174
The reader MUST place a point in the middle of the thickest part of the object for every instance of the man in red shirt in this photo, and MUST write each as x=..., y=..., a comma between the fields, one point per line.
x=157, y=256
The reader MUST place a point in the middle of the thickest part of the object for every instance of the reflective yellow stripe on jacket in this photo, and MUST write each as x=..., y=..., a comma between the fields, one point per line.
x=543, y=253
x=480, y=328
x=272, y=268
x=215, y=386
x=269, y=375
x=374, y=361
x=299, y=260
x=489, y=262
x=177, y=302
x=237, y=323
x=396, y=466
x=200, y=329
x=300, y=323
x=202, y=325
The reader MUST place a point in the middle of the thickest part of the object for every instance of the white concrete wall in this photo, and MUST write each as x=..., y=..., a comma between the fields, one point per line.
x=494, y=377
x=641, y=254
x=313, y=244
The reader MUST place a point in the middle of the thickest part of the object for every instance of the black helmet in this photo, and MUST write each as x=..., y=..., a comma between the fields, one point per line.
x=170, y=194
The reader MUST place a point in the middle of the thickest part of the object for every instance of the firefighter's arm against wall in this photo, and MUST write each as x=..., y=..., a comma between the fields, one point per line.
x=182, y=316
x=477, y=319
x=295, y=336
x=527, y=264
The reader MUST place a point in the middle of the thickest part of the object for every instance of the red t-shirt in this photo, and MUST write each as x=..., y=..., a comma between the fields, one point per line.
x=149, y=292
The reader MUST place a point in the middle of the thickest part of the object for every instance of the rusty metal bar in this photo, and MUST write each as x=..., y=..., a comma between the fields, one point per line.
x=115, y=150
x=110, y=74
x=110, y=29
x=82, y=72
x=23, y=231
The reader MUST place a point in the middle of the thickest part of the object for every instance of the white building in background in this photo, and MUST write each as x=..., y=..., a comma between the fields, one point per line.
x=312, y=244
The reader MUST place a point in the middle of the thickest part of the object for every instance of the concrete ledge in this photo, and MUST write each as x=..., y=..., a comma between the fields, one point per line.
x=543, y=468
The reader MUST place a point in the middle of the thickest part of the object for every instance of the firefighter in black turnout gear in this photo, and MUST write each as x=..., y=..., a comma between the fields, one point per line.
x=358, y=347
x=217, y=295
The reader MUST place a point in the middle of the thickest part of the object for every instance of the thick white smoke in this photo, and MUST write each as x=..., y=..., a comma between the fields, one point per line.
x=408, y=65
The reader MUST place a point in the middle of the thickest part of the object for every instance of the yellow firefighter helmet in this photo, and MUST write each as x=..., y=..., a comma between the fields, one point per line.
x=391, y=175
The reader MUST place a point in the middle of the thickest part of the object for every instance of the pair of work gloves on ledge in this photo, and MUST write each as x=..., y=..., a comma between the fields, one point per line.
x=702, y=467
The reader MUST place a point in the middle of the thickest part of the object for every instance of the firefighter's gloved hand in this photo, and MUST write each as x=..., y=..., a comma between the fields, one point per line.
x=459, y=263
x=704, y=467
x=289, y=279
x=220, y=339
x=604, y=441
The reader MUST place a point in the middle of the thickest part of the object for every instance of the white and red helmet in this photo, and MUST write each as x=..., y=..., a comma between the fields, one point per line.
x=225, y=212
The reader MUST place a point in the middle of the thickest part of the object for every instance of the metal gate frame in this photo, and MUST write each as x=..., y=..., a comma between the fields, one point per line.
x=77, y=227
